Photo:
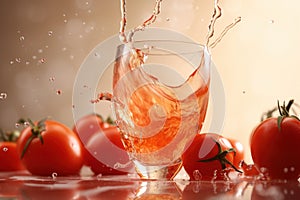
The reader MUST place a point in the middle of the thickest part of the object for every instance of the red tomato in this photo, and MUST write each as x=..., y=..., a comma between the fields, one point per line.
x=88, y=125
x=9, y=157
x=239, y=152
x=106, y=153
x=54, y=148
x=274, y=146
x=208, y=157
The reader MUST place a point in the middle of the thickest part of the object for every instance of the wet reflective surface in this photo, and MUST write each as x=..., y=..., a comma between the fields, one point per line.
x=24, y=186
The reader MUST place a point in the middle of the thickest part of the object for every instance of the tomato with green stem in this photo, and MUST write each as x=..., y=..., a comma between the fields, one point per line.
x=48, y=147
x=209, y=157
x=274, y=145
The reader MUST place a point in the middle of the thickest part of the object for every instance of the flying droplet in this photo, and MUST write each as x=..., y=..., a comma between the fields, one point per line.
x=58, y=92
x=3, y=96
x=18, y=60
x=52, y=79
x=42, y=60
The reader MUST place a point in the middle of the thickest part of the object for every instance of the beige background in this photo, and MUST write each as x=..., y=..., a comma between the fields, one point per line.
x=43, y=43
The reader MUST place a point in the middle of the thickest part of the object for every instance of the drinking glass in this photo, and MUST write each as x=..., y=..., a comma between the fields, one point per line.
x=160, y=97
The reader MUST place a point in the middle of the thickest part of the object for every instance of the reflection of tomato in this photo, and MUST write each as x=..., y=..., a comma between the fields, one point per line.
x=210, y=154
x=9, y=157
x=275, y=145
x=107, y=155
x=48, y=191
x=106, y=190
x=10, y=188
x=48, y=147
x=275, y=190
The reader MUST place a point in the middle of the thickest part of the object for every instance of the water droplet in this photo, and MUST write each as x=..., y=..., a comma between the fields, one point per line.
x=3, y=95
x=167, y=19
x=27, y=62
x=271, y=21
x=64, y=49
x=99, y=176
x=40, y=51
x=58, y=92
x=52, y=79
x=50, y=33
x=17, y=125
x=292, y=169
x=18, y=60
x=26, y=124
x=89, y=11
x=97, y=55
x=42, y=60
x=64, y=15
x=34, y=57
x=54, y=175
x=5, y=149
x=87, y=3
x=83, y=23
x=197, y=175
x=285, y=170
x=65, y=21
x=22, y=38
x=11, y=62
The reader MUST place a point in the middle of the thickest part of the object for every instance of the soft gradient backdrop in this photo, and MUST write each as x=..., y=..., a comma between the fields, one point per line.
x=43, y=43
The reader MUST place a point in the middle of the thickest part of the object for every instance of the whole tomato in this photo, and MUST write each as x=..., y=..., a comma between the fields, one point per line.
x=209, y=157
x=106, y=153
x=9, y=157
x=88, y=125
x=48, y=147
x=274, y=145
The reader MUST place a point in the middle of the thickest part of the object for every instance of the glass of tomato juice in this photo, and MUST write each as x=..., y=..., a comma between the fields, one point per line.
x=160, y=97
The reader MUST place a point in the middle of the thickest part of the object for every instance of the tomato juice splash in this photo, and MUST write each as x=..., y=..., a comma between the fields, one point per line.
x=157, y=120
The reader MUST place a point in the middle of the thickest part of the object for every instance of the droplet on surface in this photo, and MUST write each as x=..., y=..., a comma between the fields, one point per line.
x=5, y=149
x=54, y=175
x=17, y=125
x=50, y=33
x=197, y=175
x=40, y=51
x=11, y=62
x=22, y=38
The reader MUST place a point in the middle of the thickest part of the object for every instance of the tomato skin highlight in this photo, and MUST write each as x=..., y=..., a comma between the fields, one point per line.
x=277, y=150
x=61, y=151
x=204, y=146
x=9, y=157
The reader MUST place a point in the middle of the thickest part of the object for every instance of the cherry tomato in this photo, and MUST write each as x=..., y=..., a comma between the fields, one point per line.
x=106, y=153
x=208, y=157
x=48, y=147
x=9, y=157
x=274, y=146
